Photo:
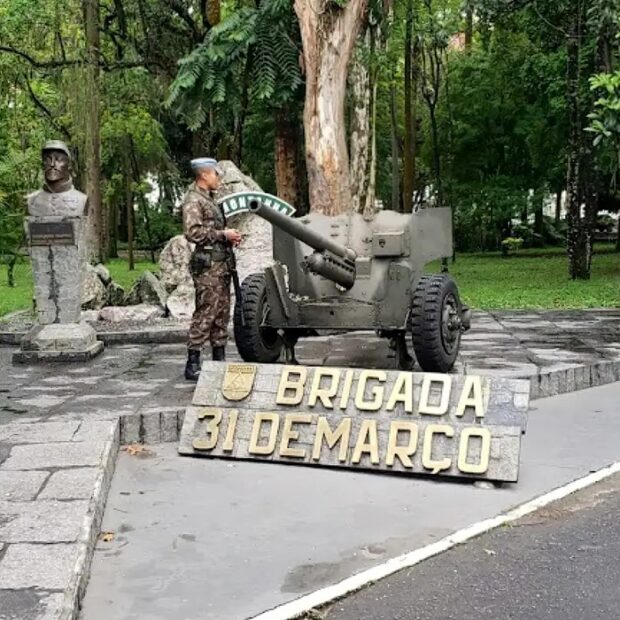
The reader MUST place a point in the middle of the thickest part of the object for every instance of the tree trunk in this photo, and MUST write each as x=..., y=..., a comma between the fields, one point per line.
x=328, y=33
x=539, y=199
x=558, y=206
x=287, y=181
x=130, y=214
x=97, y=234
x=371, y=190
x=409, y=171
x=577, y=243
x=396, y=197
x=113, y=229
x=469, y=25
x=359, y=132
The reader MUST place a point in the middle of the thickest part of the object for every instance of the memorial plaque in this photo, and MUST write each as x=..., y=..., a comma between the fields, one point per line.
x=416, y=423
x=51, y=233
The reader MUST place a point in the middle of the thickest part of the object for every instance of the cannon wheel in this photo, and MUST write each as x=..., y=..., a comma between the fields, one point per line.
x=255, y=343
x=435, y=323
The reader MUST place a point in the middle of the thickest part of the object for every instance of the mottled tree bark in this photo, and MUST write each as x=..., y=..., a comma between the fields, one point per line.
x=359, y=129
x=97, y=232
x=286, y=157
x=409, y=168
x=578, y=236
x=396, y=196
x=328, y=34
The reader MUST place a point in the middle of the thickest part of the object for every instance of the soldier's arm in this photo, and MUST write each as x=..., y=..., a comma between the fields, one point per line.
x=198, y=229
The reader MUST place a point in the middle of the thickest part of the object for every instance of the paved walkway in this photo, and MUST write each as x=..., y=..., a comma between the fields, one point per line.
x=61, y=427
x=204, y=539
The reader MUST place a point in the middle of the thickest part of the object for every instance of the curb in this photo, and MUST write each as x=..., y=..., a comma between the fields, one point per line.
x=89, y=533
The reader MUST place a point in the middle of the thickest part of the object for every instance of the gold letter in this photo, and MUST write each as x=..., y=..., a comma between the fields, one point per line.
x=296, y=386
x=471, y=396
x=212, y=428
x=446, y=383
x=402, y=392
x=367, y=442
x=402, y=452
x=288, y=434
x=377, y=391
x=346, y=390
x=228, y=444
x=340, y=434
x=427, y=450
x=325, y=395
x=485, y=450
x=259, y=418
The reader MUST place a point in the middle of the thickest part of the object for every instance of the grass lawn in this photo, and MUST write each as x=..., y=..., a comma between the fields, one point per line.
x=533, y=279
x=20, y=297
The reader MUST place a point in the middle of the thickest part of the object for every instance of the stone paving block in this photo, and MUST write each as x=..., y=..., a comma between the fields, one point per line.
x=30, y=604
x=169, y=429
x=151, y=428
x=44, y=456
x=76, y=483
x=130, y=429
x=44, y=521
x=95, y=430
x=38, y=432
x=47, y=567
x=44, y=401
x=21, y=485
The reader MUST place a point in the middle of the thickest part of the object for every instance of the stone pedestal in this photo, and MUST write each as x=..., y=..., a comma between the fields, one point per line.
x=59, y=342
x=58, y=267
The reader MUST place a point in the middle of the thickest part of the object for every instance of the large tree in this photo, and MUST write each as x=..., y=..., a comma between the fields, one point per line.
x=329, y=30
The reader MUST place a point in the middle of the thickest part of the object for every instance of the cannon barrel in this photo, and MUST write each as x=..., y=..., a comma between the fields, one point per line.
x=330, y=259
x=300, y=231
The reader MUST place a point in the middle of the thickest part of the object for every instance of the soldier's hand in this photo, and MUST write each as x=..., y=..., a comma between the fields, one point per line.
x=233, y=236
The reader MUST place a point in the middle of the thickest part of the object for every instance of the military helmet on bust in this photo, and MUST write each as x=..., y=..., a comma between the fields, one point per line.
x=56, y=145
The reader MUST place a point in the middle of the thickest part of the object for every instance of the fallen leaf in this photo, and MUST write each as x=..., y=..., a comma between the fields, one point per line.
x=136, y=449
x=106, y=536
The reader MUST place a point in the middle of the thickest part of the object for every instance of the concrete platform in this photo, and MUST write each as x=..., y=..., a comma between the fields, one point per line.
x=61, y=427
x=224, y=541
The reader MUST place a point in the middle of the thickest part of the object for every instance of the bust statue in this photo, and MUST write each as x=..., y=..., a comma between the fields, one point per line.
x=58, y=196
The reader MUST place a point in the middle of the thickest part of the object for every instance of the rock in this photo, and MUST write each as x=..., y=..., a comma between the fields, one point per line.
x=181, y=302
x=174, y=263
x=147, y=290
x=116, y=295
x=90, y=316
x=103, y=273
x=138, y=313
x=94, y=293
x=233, y=180
x=255, y=252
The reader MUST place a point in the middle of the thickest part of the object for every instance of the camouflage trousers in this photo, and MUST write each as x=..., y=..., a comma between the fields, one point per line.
x=210, y=320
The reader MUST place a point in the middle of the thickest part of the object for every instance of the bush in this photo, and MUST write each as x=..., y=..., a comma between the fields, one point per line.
x=511, y=244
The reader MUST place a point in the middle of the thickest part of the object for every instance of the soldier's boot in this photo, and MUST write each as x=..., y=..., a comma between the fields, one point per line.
x=219, y=354
x=192, y=367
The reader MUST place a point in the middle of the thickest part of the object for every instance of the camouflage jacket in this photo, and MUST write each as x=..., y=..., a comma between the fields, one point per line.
x=203, y=219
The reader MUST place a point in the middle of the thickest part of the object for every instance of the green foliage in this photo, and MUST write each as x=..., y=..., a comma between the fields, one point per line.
x=511, y=245
x=251, y=53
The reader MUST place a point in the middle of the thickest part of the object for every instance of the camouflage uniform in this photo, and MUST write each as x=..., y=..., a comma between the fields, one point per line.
x=203, y=224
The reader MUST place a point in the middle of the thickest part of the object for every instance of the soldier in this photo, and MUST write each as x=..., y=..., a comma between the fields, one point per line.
x=204, y=225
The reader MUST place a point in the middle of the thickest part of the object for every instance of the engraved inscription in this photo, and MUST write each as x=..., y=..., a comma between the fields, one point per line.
x=51, y=233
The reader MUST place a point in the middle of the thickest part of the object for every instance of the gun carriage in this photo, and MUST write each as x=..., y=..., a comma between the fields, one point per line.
x=348, y=273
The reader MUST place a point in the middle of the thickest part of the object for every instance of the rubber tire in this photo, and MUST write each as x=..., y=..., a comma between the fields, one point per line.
x=425, y=323
x=250, y=339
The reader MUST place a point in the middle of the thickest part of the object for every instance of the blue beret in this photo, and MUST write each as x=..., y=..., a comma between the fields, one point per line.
x=203, y=162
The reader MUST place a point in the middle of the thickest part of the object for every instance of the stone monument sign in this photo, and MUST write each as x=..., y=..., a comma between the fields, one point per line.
x=465, y=426
x=56, y=228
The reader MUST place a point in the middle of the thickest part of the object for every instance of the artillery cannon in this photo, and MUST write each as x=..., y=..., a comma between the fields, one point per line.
x=348, y=273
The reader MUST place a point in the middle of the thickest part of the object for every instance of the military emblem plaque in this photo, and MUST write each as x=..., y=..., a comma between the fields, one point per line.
x=411, y=423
